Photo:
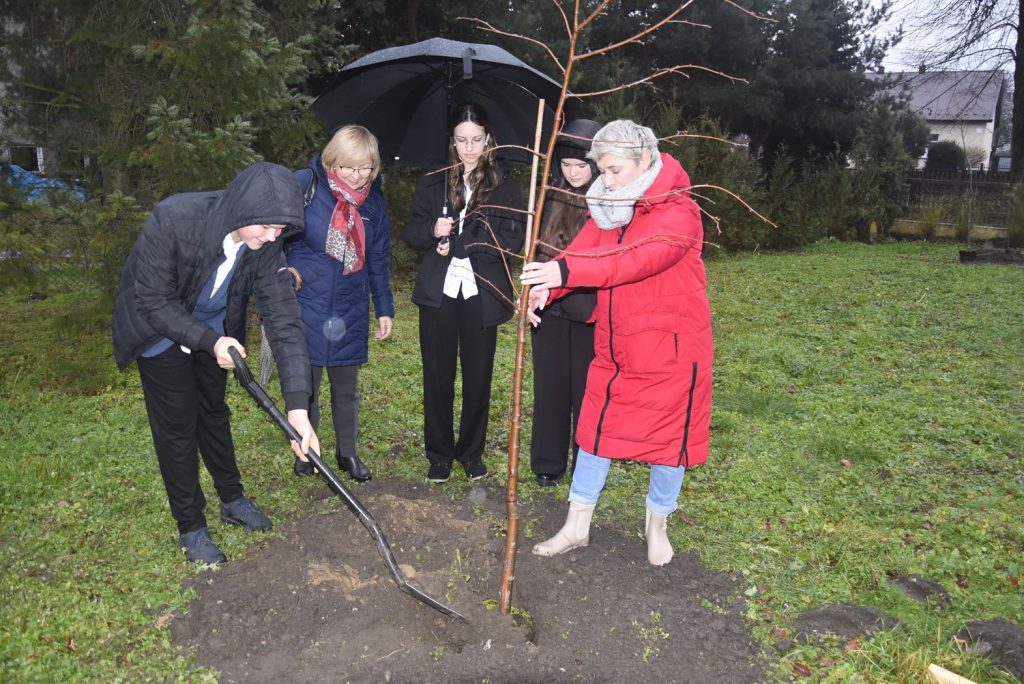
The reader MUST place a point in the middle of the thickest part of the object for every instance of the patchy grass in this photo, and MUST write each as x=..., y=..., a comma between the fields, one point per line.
x=866, y=424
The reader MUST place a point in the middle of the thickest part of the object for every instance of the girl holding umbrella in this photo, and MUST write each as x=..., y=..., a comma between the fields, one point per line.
x=648, y=395
x=344, y=253
x=466, y=219
x=564, y=346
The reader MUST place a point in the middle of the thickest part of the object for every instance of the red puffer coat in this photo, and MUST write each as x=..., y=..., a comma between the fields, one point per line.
x=648, y=395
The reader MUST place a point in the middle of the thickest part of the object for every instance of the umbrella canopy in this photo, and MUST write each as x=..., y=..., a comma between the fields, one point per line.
x=405, y=95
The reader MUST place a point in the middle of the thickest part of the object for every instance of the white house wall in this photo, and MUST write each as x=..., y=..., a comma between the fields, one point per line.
x=966, y=134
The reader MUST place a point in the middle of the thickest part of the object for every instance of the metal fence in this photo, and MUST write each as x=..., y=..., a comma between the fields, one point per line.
x=978, y=199
x=53, y=247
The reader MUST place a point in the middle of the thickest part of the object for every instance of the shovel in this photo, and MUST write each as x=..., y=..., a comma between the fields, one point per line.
x=246, y=380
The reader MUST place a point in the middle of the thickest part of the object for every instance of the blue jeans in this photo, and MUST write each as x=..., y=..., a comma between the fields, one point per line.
x=591, y=472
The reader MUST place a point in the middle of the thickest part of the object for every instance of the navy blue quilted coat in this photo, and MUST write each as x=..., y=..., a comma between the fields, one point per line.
x=335, y=307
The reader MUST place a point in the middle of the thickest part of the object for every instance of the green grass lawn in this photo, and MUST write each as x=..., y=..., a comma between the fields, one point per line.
x=867, y=423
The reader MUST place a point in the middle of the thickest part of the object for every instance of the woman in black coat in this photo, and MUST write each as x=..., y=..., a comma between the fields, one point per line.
x=564, y=346
x=466, y=219
x=181, y=305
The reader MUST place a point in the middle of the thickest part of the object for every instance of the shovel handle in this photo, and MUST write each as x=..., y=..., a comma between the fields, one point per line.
x=246, y=379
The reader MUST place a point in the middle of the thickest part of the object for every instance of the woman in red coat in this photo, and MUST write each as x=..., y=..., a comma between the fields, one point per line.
x=648, y=395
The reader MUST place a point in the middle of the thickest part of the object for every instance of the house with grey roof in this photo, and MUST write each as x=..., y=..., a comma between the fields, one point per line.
x=959, y=106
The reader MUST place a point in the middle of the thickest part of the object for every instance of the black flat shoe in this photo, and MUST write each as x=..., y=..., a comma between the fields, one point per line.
x=475, y=469
x=548, y=480
x=302, y=468
x=438, y=473
x=354, y=467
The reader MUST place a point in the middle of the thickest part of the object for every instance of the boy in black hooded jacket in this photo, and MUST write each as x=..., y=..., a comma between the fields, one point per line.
x=181, y=305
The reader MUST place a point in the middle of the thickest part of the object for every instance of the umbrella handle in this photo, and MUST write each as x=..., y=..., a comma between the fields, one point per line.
x=444, y=214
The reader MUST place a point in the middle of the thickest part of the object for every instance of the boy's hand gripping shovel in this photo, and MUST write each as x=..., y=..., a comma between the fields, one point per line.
x=246, y=380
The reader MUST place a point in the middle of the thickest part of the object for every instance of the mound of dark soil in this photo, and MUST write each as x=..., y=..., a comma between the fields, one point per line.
x=992, y=255
x=319, y=605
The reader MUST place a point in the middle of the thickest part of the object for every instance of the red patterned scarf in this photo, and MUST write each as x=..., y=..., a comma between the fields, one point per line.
x=346, y=237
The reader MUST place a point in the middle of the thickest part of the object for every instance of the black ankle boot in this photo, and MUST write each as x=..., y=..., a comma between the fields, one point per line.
x=354, y=467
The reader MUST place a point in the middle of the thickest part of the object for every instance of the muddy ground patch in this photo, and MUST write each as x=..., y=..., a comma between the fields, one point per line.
x=317, y=603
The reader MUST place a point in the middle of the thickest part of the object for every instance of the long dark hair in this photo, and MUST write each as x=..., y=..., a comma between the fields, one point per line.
x=484, y=178
x=565, y=210
x=564, y=215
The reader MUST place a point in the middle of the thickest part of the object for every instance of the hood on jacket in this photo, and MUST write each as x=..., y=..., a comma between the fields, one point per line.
x=263, y=193
x=671, y=184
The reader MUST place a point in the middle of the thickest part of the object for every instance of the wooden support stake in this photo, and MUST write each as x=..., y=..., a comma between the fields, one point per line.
x=508, y=568
x=941, y=675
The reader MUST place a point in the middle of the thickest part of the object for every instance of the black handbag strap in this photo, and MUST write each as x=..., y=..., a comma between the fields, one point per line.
x=307, y=195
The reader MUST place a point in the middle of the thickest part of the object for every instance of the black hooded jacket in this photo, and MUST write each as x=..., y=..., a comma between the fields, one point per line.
x=179, y=250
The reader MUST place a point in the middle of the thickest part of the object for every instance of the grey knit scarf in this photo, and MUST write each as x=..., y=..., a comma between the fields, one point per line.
x=612, y=209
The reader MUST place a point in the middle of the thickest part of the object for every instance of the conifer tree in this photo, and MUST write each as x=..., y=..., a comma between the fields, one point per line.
x=163, y=96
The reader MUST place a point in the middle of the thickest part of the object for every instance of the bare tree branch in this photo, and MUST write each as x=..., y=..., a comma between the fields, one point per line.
x=635, y=37
x=647, y=80
x=751, y=13
x=599, y=10
x=486, y=26
x=700, y=136
x=738, y=199
x=565, y=18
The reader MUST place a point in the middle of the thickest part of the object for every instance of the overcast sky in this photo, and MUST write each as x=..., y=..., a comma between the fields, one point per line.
x=901, y=58
x=919, y=34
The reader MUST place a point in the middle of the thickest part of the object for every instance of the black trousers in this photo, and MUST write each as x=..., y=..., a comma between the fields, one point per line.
x=185, y=403
x=344, y=383
x=562, y=352
x=449, y=334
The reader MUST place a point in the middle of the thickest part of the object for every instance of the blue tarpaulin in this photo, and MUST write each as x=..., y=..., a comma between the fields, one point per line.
x=38, y=189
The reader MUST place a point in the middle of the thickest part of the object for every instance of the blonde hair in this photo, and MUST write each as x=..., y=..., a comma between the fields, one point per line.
x=623, y=138
x=351, y=145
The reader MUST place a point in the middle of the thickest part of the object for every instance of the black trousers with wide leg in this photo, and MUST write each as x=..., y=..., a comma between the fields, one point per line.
x=187, y=413
x=562, y=352
x=449, y=334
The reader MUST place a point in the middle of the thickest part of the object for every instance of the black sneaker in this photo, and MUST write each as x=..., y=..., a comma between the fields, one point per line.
x=244, y=513
x=545, y=480
x=439, y=472
x=475, y=469
x=199, y=548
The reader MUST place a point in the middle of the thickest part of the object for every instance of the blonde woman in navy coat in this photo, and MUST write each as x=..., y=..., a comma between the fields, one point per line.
x=342, y=261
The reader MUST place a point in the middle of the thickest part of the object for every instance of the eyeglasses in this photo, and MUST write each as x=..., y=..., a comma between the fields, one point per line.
x=361, y=170
x=469, y=143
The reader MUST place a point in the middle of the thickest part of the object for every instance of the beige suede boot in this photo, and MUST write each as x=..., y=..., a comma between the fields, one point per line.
x=574, y=533
x=659, y=548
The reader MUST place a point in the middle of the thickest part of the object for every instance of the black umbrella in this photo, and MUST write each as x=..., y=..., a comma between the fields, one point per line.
x=404, y=95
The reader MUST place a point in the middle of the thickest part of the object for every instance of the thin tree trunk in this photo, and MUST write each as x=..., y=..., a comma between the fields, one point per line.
x=1017, y=137
x=522, y=325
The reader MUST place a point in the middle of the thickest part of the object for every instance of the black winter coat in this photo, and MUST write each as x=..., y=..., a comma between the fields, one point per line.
x=179, y=250
x=484, y=230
